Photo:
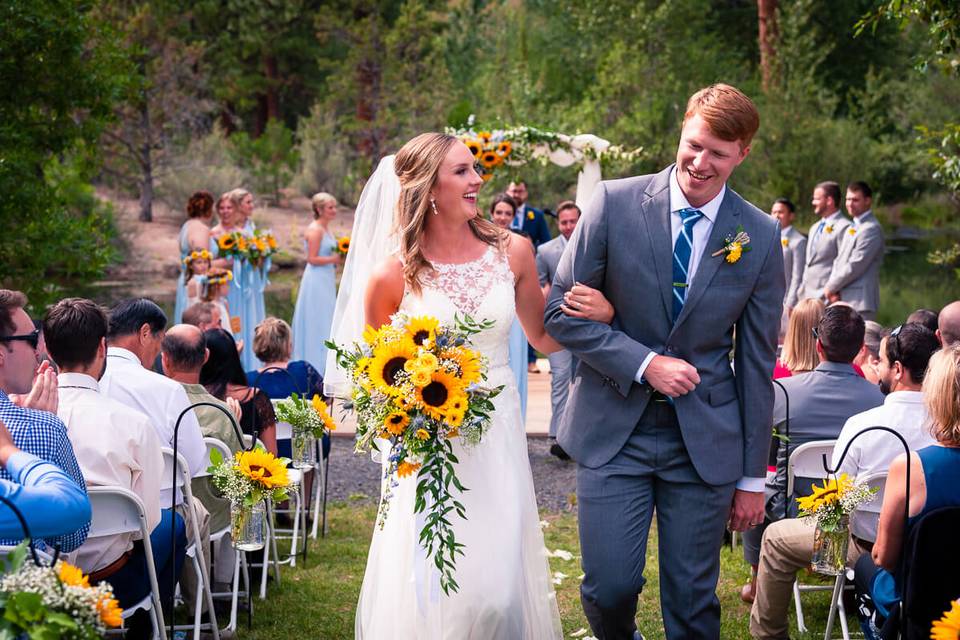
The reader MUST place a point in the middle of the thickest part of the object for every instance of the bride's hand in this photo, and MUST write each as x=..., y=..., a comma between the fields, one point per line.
x=584, y=302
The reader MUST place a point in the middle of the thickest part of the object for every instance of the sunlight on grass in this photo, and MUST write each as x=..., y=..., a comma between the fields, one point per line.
x=317, y=600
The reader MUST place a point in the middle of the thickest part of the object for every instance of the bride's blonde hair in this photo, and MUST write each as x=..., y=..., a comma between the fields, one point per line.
x=417, y=165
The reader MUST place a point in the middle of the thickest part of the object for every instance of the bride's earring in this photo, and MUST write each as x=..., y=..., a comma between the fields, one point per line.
x=433, y=203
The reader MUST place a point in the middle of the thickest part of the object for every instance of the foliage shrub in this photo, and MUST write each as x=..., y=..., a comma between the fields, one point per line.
x=205, y=163
x=270, y=160
x=328, y=163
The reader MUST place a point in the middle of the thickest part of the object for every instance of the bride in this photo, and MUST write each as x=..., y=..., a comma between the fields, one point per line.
x=449, y=260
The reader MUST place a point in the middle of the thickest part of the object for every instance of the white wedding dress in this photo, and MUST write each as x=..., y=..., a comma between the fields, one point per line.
x=505, y=588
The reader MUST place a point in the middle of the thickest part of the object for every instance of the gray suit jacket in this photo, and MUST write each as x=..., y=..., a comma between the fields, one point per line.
x=548, y=257
x=820, y=403
x=794, y=261
x=856, y=271
x=821, y=253
x=623, y=247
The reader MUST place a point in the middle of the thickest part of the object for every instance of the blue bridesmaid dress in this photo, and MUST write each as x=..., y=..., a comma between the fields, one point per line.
x=518, y=362
x=246, y=301
x=314, y=311
x=181, y=303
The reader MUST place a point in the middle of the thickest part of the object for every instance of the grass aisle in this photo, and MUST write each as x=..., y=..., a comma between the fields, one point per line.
x=317, y=600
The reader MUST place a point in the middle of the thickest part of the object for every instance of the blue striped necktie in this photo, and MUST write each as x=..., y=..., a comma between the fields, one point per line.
x=681, y=258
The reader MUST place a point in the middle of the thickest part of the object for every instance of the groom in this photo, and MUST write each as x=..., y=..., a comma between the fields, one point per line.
x=658, y=419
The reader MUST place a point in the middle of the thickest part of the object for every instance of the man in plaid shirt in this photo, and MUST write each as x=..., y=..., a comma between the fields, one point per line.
x=28, y=404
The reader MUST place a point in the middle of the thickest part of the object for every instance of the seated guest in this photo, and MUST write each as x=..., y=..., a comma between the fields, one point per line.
x=115, y=446
x=204, y=315
x=50, y=502
x=869, y=357
x=223, y=377
x=273, y=344
x=799, y=353
x=821, y=401
x=788, y=544
x=934, y=483
x=926, y=317
x=28, y=405
x=948, y=325
x=184, y=351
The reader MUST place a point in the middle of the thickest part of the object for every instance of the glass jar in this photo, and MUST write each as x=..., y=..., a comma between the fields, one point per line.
x=248, y=526
x=304, y=451
x=830, y=548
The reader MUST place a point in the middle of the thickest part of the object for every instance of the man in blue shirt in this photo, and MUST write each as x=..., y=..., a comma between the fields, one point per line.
x=28, y=403
x=50, y=502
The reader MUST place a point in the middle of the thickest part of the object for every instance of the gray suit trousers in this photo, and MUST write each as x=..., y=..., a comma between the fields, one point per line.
x=561, y=365
x=616, y=502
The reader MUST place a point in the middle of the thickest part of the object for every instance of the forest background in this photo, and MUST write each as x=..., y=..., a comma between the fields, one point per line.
x=158, y=98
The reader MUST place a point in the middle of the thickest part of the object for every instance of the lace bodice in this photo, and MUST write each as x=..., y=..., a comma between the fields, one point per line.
x=483, y=289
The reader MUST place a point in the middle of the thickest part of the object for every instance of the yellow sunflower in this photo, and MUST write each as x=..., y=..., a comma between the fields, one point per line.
x=271, y=241
x=343, y=244
x=486, y=176
x=263, y=468
x=484, y=135
x=111, y=615
x=261, y=244
x=388, y=360
x=405, y=469
x=504, y=148
x=829, y=493
x=454, y=418
x=490, y=159
x=734, y=253
x=475, y=146
x=422, y=434
x=226, y=242
x=947, y=627
x=468, y=361
x=422, y=329
x=396, y=423
x=370, y=335
x=436, y=396
x=241, y=243
x=324, y=412
x=72, y=576
x=458, y=403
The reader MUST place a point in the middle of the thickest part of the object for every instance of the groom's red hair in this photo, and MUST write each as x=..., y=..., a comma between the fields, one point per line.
x=729, y=113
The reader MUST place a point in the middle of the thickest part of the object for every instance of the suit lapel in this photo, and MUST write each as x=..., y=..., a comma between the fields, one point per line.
x=655, y=216
x=725, y=225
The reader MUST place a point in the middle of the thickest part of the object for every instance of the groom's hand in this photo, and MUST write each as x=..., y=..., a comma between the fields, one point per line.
x=671, y=376
x=747, y=510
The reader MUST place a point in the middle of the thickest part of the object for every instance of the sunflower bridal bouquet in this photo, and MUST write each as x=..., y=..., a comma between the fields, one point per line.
x=53, y=601
x=830, y=507
x=247, y=480
x=418, y=384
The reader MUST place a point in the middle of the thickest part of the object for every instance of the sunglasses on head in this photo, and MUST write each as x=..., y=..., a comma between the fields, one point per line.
x=895, y=334
x=32, y=338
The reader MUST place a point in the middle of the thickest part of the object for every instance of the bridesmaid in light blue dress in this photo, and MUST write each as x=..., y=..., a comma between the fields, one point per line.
x=251, y=309
x=502, y=211
x=235, y=294
x=318, y=287
x=194, y=236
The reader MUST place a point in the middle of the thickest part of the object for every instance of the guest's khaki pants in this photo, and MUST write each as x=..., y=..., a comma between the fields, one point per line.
x=787, y=548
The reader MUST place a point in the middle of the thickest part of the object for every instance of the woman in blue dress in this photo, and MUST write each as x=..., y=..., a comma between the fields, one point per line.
x=318, y=287
x=251, y=309
x=194, y=236
x=502, y=211
x=235, y=294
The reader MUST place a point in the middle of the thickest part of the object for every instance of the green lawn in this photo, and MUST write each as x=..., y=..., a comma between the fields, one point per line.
x=317, y=600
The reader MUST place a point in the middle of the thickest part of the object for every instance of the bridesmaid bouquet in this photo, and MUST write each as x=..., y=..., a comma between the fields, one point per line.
x=260, y=247
x=53, y=602
x=418, y=384
x=232, y=245
x=343, y=245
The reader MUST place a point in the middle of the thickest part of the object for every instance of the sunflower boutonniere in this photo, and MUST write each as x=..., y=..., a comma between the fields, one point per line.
x=734, y=246
x=829, y=228
x=785, y=242
x=852, y=231
x=530, y=215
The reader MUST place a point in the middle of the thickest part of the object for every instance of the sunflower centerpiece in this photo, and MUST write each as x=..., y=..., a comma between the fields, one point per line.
x=419, y=385
x=309, y=420
x=53, y=601
x=830, y=505
x=247, y=481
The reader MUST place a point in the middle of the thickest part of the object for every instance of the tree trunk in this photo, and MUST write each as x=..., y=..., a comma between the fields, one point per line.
x=146, y=166
x=769, y=36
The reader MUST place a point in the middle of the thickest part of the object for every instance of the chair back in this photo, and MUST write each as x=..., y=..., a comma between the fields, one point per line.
x=6, y=550
x=933, y=569
x=219, y=445
x=876, y=480
x=284, y=429
x=806, y=462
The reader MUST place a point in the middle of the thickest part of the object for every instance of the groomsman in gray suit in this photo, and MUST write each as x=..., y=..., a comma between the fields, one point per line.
x=794, y=255
x=548, y=257
x=657, y=418
x=855, y=277
x=823, y=241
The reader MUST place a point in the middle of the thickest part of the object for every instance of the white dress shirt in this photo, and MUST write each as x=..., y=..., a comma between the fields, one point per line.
x=162, y=400
x=115, y=446
x=902, y=411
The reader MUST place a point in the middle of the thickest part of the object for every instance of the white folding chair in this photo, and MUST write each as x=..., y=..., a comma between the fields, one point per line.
x=271, y=546
x=240, y=558
x=42, y=556
x=319, y=499
x=117, y=510
x=298, y=478
x=806, y=461
x=195, y=550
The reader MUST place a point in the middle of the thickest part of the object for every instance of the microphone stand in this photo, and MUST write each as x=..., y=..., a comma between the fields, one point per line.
x=904, y=565
x=173, y=502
